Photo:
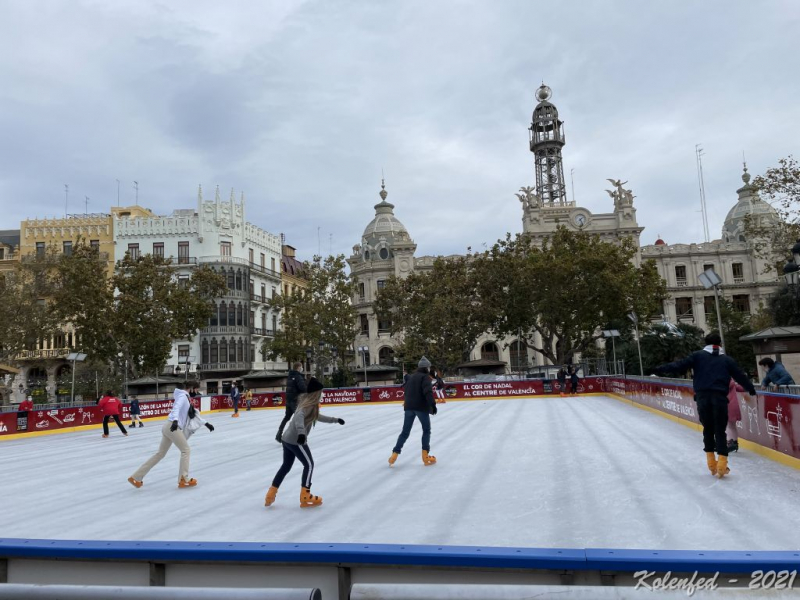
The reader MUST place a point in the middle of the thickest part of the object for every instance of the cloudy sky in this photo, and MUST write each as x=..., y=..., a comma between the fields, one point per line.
x=302, y=104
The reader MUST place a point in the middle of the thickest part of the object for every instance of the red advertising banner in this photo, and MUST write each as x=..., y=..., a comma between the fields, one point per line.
x=8, y=423
x=768, y=420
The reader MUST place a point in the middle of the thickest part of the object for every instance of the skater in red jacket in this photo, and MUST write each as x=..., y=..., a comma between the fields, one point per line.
x=111, y=407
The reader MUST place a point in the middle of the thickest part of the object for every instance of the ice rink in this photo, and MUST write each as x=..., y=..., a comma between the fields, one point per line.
x=549, y=472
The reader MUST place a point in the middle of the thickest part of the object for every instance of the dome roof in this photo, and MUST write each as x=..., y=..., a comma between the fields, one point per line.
x=385, y=224
x=660, y=242
x=749, y=204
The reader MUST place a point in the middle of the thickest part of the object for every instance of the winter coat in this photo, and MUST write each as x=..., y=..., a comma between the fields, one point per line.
x=419, y=392
x=734, y=410
x=295, y=385
x=574, y=377
x=25, y=405
x=135, y=407
x=180, y=408
x=712, y=371
x=110, y=406
x=193, y=424
x=777, y=375
x=562, y=377
x=297, y=426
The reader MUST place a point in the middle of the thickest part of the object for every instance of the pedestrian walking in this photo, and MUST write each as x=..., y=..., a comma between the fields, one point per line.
x=111, y=407
x=235, y=396
x=712, y=372
x=776, y=373
x=172, y=432
x=295, y=385
x=135, y=411
x=419, y=404
x=295, y=444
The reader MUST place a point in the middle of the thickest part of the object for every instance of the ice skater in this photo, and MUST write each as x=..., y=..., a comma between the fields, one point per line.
x=136, y=412
x=562, y=381
x=418, y=404
x=172, y=432
x=294, y=440
x=573, y=381
x=111, y=406
x=713, y=371
x=235, y=397
x=295, y=385
x=734, y=414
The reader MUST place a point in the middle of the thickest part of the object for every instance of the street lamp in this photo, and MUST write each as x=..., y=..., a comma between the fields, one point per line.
x=364, y=350
x=309, y=352
x=75, y=357
x=635, y=320
x=612, y=333
x=710, y=279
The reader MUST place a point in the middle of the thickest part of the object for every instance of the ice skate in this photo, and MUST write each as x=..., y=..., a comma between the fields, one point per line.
x=722, y=467
x=733, y=446
x=270, y=497
x=428, y=459
x=132, y=425
x=393, y=458
x=711, y=459
x=105, y=435
x=134, y=483
x=141, y=424
x=183, y=483
x=235, y=415
x=307, y=499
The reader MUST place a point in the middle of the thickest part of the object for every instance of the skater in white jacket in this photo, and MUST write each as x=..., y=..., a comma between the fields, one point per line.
x=294, y=444
x=174, y=431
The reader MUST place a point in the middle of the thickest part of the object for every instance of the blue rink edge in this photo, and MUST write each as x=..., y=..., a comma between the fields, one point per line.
x=407, y=555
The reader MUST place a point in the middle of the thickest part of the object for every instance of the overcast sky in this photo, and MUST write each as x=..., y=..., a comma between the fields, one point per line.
x=301, y=104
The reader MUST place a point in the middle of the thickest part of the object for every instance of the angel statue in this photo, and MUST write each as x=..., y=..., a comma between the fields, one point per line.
x=528, y=197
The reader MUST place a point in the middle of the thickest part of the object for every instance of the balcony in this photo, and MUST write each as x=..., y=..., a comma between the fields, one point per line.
x=235, y=260
x=263, y=332
x=44, y=354
x=682, y=283
x=217, y=329
x=225, y=366
x=260, y=299
x=738, y=280
x=184, y=260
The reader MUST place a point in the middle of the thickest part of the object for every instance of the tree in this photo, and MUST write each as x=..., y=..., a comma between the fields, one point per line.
x=735, y=324
x=780, y=187
x=26, y=312
x=323, y=312
x=133, y=317
x=434, y=313
x=565, y=290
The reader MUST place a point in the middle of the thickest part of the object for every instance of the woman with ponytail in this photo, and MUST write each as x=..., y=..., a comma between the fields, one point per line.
x=294, y=441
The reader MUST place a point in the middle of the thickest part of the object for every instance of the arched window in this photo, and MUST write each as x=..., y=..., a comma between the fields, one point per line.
x=231, y=280
x=223, y=314
x=238, y=279
x=519, y=355
x=239, y=315
x=231, y=314
x=214, y=351
x=232, y=351
x=205, y=354
x=386, y=356
x=489, y=351
x=214, y=319
x=240, y=351
x=223, y=350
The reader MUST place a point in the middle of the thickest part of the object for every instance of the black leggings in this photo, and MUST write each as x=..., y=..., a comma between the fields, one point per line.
x=116, y=420
x=303, y=454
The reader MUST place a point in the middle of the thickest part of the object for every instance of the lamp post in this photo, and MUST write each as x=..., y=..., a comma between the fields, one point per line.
x=364, y=350
x=710, y=279
x=309, y=352
x=612, y=333
x=635, y=320
x=75, y=357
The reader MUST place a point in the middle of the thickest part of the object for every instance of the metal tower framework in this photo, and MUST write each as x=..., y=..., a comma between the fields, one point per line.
x=546, y=140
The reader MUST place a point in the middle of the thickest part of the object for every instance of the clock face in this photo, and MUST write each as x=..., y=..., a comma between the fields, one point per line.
x=580, y=220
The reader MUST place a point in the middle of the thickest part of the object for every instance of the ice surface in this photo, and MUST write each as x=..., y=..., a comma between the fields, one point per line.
x=549, y=472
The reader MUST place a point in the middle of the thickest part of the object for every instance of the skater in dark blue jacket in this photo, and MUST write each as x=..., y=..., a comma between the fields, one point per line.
x=135, y=412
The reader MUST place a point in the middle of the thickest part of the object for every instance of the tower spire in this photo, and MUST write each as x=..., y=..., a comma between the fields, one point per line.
x=546, y=141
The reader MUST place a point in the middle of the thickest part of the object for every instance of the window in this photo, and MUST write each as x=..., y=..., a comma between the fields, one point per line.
x=2, y=253
x=205, y=354
x=364, y=325
x=238, y=279
x=683, y=306
x=223, y=314
x=738, y=272
x=252, y=318
x=250, y=255
x=231, y=314
x=742, y=303
x=680, y=275
x=384, y=326
x=286, y=289
x=253, y=288
x=263, y=322
x=708, y=305
x=212, y=322
x=183, y=353
x=214, y=351
x=231, y=280
x=263, y=258
x=133, y=251
x=252, y=353
x=158, y=249
x=272, y=262
x=183, y=253
x=274, y=324
x=223, y=351
x=707, y=267
x=40, y=249
x=489, y=351
x=95, y=245
x=384, y=254
x=67, y=248
x=518, y=355
x=273, y=291
x=264, y=292
x=381, y=284
x=240, y=315
x=386, y=356
x=240, y=351
x=361, y=291
x=225, y=248
x=183, y=281
x=232, y=351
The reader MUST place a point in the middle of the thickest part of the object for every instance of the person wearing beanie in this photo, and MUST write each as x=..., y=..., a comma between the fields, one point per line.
x=419, y=404
x=713, y=371
x=295, y=444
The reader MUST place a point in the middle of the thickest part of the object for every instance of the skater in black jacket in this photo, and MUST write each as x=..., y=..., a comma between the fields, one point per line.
x=295, y=385
x=712, y=374
x=419, y=404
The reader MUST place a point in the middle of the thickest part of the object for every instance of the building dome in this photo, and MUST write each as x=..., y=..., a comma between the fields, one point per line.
x=660, y=242
x=749, y=204
x=383, y=231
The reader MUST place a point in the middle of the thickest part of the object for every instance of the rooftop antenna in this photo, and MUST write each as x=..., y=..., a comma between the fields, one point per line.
x=117, y=192
x=66, y=199
x=136, y=187
x=319, y=245
x=330, y=244
x=86, y=206
x=698, y=150
x=572, y=179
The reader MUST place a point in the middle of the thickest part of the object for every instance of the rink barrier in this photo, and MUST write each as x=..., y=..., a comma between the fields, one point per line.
x=22, y=591
x=336, y=568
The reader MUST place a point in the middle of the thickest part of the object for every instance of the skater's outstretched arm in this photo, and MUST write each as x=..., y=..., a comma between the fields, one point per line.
x=679, y=366
x=327, y=419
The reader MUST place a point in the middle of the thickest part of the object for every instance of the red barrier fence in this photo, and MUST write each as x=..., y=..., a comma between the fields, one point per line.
x=767, y=420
